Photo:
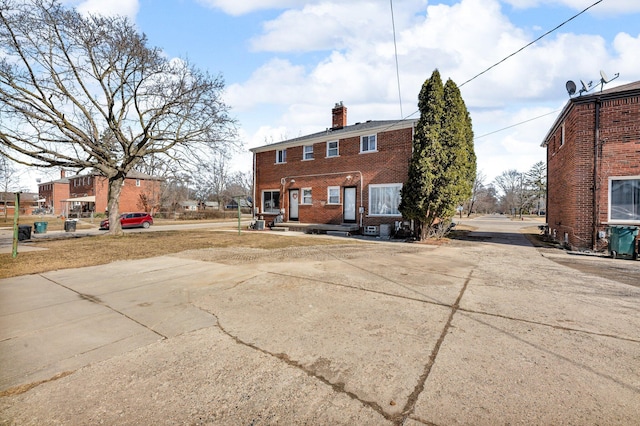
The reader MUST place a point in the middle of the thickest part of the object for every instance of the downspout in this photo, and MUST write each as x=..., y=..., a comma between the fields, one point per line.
x=596, y=187
x=253, y=191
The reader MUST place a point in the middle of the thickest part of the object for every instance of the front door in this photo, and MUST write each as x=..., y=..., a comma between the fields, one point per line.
x=349, y=205
x=293, y=204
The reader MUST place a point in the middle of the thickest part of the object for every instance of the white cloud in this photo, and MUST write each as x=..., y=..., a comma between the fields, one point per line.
x=610, y=7
x=241, y=7
x=128, y=8
x=353, y=61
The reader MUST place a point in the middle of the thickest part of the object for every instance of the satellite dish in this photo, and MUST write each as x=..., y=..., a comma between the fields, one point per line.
x=571, y=87
x=605, y=79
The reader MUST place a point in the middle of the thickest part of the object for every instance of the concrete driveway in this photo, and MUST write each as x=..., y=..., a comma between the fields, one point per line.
x=483, y=331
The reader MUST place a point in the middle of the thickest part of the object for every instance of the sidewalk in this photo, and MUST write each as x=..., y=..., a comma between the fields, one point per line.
x=486, y=331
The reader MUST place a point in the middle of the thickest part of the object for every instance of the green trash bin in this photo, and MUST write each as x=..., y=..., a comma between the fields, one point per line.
x=40, y=227
x=622, y=241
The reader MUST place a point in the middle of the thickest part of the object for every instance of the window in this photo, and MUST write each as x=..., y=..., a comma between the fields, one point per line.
x=332, y=149
x=562, y=135
x=306, y=196
x=307, y=152
x=281, y=156
x=271, y=202
x=137, y=182
x=624, y=199
x=384, y=199
x=333, y=195
x=368, y=143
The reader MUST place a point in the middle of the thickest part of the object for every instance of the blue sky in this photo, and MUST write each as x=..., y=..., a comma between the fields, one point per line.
x=286, y=62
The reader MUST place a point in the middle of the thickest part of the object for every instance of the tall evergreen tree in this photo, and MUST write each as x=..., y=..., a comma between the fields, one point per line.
x=443, y=163
x=427, y=151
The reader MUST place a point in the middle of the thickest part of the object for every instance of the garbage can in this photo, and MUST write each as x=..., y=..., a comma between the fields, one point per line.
x=622, y=241
x=70, y=226
x=24, y=232
x=40, y=227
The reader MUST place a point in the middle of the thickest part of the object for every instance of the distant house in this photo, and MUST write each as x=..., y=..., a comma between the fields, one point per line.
x=188, y=205
x=81, y=195
x=347, y=174
x=233, y=205
x=593, y=166
x=211, y=205
x=29, y=203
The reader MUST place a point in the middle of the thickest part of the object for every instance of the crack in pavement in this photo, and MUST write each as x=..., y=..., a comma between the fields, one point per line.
x=413, y=397
x=96, y=300
x=337, y=387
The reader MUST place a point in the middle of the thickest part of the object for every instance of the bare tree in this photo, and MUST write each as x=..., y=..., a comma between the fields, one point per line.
x=510, y=183
x=8, y=182
x=88, y=93
x=478, y=186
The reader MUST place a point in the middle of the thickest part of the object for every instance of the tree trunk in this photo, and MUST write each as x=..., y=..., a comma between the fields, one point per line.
x=113, y=204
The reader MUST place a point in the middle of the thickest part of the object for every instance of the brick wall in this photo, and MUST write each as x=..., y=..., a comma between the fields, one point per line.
x=350, y=169
x=571, y=183
x=131, y=196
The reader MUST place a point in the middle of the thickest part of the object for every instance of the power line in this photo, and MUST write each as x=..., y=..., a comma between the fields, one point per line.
x=516, y=124
x=529, y=44
x=513, y=54
x=395, y=46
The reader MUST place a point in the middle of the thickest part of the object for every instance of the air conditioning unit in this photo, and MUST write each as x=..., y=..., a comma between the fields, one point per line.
x=260, y=225
x=371, y=230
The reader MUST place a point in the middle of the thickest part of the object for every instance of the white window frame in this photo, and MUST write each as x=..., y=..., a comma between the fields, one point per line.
x=337, y=149
x=137, y=182
x=281, y=156
x=369, y=142
x=333, y=188
x=306, y=197
x=373, y=210
x=271, y=210
x=562, y=135
x=609, y=203
x=307, y=155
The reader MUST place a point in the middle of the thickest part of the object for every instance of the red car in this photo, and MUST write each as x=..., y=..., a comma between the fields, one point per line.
x=131, y=220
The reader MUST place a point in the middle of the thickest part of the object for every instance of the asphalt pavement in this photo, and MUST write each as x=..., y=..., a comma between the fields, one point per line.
x=487, y=330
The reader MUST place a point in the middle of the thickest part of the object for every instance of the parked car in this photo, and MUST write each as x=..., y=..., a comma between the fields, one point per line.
x=131, y=220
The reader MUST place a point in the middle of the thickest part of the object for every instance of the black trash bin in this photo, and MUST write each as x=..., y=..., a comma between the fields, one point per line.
x=70, y=226
x=24, y=232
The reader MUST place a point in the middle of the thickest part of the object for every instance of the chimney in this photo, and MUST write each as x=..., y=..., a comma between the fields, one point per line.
x=339, y=114
x=61, y=173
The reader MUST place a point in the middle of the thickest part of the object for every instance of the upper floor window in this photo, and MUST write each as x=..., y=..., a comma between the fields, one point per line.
x=307, y=152
x=368, y=143
x=332, y=149
x=562, y=135
x=624, y=199
x=137, y=182
x=281, y=156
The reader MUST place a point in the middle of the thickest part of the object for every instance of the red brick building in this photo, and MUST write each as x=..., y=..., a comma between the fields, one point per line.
x=88, y=193
x=593, y=166
x=347, y=174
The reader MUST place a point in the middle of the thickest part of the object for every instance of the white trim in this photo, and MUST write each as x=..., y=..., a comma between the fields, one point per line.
x=383, y=185
x=329, y=188
x=302, y=201
x=337, y=148
x=282, y=157
x=610, y=220
x=304, y=153
x=368, y=143
x=265, y=211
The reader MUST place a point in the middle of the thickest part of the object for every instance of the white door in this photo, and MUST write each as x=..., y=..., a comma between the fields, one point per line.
x=349, y=205
x=293, y=204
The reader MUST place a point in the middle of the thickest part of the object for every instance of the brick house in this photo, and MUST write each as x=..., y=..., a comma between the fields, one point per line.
x=347, y=174
x=28, y=203
x=85, y=194
x=593, y=167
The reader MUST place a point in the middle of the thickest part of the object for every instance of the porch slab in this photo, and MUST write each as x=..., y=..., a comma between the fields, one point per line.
x=318, y=228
